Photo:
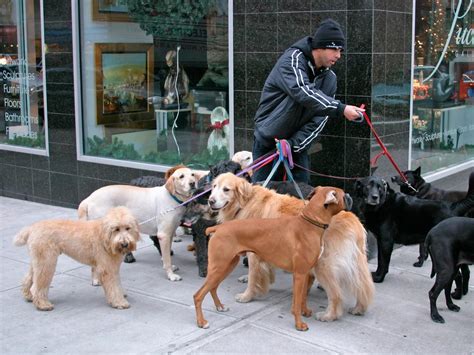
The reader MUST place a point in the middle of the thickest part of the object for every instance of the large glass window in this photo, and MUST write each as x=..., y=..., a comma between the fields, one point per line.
x=22, y=97
x=443, y=84
x=155, y=81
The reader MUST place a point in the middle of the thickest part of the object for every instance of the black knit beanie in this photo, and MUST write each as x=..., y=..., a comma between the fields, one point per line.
x=328, y=35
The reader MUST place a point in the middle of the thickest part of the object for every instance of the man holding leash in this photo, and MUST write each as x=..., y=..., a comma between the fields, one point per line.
x=298, y=99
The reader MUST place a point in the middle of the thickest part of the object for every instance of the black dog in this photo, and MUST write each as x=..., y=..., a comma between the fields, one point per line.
x=426, y=191
x=451, y=245
x=397, y=218
x=199, y=212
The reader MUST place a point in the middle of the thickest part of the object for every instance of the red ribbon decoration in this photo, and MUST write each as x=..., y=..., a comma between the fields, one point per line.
x=219, y=124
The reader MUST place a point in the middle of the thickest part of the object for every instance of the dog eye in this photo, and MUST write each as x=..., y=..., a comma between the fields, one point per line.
x=181, y=176
x=116, y=229
x=226, y=189
x=128, y=228
x=192, y=175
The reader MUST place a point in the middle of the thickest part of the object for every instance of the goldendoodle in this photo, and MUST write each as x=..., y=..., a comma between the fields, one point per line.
x=99, y=243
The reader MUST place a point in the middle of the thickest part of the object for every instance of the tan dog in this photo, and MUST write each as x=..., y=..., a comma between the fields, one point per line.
x=292, y=243
x=343, y=265
x=100, y=243
x=155, y=208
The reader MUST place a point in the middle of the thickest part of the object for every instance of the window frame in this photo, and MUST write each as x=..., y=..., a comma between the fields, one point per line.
x=36, y=151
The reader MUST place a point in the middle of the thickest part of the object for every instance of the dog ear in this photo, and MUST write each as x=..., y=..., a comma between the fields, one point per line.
x=331, y=197
x=359, y=188
x=417, y=171
x=169, y=185
x=244, y=191
x=372, y=170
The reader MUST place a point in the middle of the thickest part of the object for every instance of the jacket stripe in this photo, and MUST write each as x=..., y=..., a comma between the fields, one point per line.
x=311, y=137
x=295, y=67
x=308, y=88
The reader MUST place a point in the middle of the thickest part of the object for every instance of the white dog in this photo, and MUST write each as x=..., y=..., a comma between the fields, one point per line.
x=244, y=158
x=155, y=208
x=100, y=244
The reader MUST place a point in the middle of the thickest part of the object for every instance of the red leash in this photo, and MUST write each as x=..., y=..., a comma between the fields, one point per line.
x=384, y=149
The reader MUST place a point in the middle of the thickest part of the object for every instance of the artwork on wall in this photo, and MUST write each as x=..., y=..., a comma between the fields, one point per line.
x=110, y=10
x=123, y=81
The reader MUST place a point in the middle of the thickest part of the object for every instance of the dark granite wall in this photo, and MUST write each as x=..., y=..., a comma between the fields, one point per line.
x=374, y=70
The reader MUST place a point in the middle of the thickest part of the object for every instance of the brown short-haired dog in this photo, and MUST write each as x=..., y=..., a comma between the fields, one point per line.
x=291, y=243
x=99, y=243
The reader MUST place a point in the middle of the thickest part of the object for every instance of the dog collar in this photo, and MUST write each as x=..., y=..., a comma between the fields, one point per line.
x=315, y=223
x=176, y=199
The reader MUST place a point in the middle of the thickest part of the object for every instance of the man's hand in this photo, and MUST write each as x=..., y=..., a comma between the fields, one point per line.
x=353, y=112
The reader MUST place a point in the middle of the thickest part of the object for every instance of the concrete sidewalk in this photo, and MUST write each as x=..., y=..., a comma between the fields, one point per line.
x=162, y=318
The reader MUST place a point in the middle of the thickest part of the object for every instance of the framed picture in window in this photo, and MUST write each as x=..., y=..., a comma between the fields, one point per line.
x=124, y=74
x=110, y=10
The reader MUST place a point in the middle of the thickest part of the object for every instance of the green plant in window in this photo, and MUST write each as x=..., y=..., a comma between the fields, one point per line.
x=38, y=142
x=169, y=19
x=116, y=149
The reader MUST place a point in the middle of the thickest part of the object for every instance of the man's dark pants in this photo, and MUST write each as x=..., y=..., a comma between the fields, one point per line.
x=261, y=174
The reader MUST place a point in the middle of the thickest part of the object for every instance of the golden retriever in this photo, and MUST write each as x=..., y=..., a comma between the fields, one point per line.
x=343, y=264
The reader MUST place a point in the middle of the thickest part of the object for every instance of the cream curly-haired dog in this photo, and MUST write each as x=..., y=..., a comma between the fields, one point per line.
x=99, y=243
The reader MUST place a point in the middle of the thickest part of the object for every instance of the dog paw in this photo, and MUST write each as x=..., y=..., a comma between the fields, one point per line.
x=244, y=279
x=243, y=297
x=325, y=317
x=222, y=308
x=174, y=268
x=302, y=327
x=418, y=263
x=356, y=311
x=306, y=312
x=437, y=318
x=204, y=324
x=174, y=277
x=377, y=278
x=177, y=239
x=95, y=283
x=121, y=305
x=453, y=307
x=44, y=306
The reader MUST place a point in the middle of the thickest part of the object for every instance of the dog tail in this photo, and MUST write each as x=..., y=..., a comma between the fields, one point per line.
x=428, y=249
x=82, y=210
x=22, y=237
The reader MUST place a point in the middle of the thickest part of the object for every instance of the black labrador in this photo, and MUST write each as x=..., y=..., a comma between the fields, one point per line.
x=394, y=217
x=451, y=247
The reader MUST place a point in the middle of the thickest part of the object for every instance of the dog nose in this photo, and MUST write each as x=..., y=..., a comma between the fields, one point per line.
x=375, y=197
x=193, y=185
x=211, y=201
x=124, y=245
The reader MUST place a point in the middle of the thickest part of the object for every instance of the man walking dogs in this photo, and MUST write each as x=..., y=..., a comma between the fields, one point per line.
x=298, y=99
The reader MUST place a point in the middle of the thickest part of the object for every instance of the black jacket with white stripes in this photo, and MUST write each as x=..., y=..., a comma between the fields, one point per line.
x=296, y=100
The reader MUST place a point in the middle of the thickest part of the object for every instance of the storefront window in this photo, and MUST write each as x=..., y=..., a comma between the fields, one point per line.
x=443, y=84
x=155, y=82
x=22, y=96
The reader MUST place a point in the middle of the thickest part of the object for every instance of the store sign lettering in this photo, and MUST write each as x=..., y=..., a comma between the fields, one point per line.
x=463, y=36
